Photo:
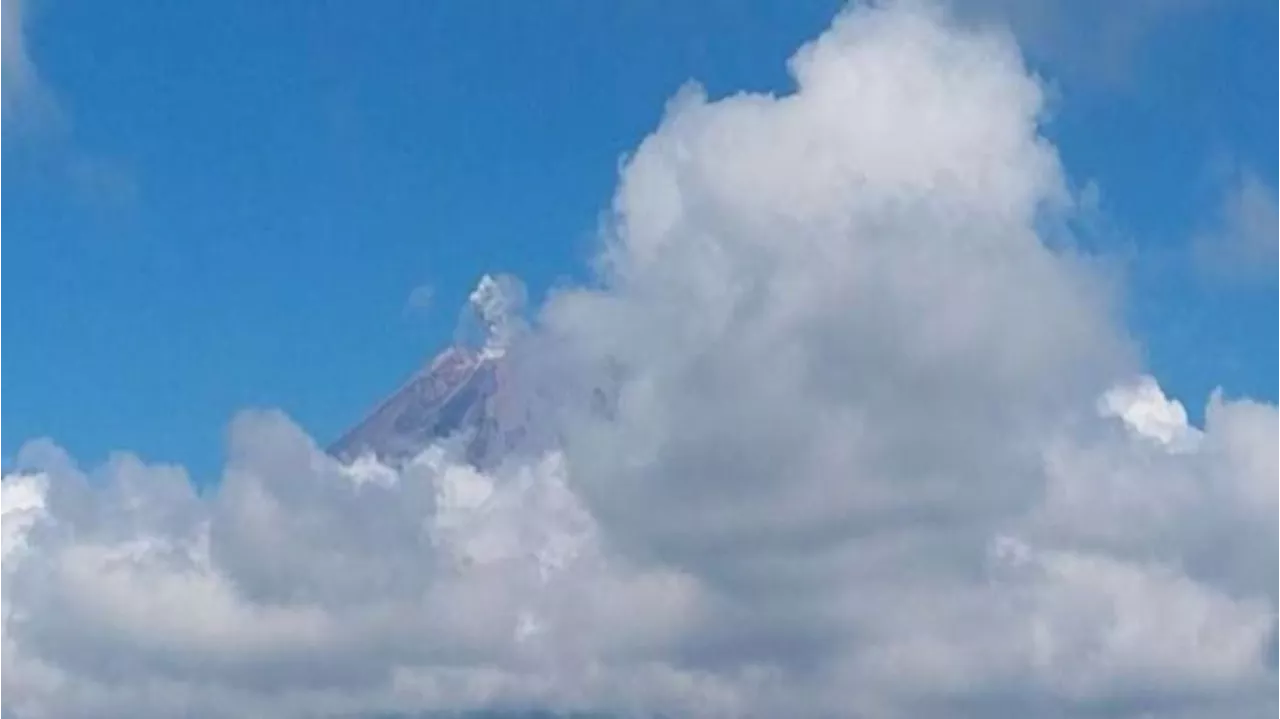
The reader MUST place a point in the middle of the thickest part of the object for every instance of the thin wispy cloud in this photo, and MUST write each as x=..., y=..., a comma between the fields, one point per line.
x=36, y=121
x=1243, y=241
x=24, y=99
x=420, y=299
x=17, y=68
x=1095, y=42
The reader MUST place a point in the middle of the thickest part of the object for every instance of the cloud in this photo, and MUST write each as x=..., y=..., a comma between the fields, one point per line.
x=18, y=79
x=1096, y=42
x=840, y=435
x=309, y=588
x=839, y=278
x=1242, y=246
x=40, y=124
x=420, y=299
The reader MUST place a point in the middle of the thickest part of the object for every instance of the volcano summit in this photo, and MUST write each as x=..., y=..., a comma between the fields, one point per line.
x=463, y=395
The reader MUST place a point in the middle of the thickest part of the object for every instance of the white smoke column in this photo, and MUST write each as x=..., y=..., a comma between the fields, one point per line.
x=493, y=317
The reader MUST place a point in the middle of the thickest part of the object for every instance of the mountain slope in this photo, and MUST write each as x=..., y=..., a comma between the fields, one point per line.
x=463, y=394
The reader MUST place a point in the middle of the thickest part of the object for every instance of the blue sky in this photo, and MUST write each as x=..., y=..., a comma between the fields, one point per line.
x=211, y=206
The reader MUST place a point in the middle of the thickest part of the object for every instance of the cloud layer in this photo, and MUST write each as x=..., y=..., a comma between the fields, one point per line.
x=848, y=429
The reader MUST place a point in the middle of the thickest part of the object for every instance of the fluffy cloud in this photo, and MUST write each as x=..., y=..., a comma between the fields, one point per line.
x=847, y=277
x=306, y=587
x=842, y=433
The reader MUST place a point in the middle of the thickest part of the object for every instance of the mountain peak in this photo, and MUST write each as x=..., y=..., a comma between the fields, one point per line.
x=464, y=392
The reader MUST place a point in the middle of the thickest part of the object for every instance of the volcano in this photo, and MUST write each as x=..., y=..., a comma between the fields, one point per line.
x=465, y=395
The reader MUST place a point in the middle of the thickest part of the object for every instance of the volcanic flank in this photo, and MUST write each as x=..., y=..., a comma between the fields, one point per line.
x=463, y=395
